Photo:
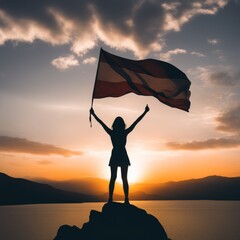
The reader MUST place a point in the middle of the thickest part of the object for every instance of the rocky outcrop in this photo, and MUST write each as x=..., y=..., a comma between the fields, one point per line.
x=116, y=221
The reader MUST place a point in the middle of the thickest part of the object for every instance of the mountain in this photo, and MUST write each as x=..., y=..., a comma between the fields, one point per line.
x=99, y=187
x=207, y=188
x=89, y=185
x=21, y=191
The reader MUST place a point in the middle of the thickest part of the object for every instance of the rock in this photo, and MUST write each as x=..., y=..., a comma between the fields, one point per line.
x=116, y=221
x=67, y=232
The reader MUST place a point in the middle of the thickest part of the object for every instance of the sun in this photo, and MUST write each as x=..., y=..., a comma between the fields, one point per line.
x=136, y=171
x=134, y=175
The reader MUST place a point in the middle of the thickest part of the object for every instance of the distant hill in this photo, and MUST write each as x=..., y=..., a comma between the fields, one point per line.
x=21, y=191
x=208, y=188
x=89, y=185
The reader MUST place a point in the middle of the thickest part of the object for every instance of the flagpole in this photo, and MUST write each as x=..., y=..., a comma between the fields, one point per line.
x=90, y=116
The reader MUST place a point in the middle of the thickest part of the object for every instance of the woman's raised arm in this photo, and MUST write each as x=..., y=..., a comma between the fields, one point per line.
x=105, y=127
x=138, y=120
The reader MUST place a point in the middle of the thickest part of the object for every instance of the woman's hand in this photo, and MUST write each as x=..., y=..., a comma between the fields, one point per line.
x=92, y=111
x=147, y=109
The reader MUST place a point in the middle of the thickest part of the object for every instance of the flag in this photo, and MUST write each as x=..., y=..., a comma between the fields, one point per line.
x=117, y=76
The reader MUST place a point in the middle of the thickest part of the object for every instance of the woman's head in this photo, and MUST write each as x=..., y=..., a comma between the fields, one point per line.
x=118, y=124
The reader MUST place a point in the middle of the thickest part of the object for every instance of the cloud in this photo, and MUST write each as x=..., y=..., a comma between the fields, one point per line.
x=215, y=143
x=21, y=145
x=168, y=55
x=198, y=54
x=89, y=60
x=179, y=13
x=44, y=162
x=65, y=62
x=219, y=75
x=229, y=121
x=213, y=41
x=135, y=25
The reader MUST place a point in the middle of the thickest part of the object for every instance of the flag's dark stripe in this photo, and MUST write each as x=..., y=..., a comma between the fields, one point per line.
x=121, y=72
x=150, y=67
x=156, y=94
x=146, y=85
x=108, y=89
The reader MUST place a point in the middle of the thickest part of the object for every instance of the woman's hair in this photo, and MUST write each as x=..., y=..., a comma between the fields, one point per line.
x=118, y=124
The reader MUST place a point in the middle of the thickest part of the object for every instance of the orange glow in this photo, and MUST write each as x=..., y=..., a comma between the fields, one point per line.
x=151, y=160
x=146, y=166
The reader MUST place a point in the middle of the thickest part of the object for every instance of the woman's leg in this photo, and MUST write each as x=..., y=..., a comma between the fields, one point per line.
x=124, y=170
x=112, y=182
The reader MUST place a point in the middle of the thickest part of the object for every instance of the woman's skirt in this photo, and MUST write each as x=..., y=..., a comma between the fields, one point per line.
x=119, y=157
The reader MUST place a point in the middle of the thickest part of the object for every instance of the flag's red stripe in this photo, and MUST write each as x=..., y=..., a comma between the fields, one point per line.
x=107, y=89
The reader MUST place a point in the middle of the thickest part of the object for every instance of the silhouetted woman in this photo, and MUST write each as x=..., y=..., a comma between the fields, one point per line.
x=119, y=157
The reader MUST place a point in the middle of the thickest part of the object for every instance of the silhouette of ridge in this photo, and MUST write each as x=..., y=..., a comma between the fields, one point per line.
x=21, y=191
x=116, y=221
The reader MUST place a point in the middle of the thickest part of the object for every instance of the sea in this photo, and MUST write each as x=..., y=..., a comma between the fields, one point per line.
x=182, y=220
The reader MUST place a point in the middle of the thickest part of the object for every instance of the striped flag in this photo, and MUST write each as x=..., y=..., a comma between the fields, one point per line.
x=117, y=76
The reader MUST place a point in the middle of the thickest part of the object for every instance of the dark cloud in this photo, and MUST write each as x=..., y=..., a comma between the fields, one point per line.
x=224, y=77
x=149, y=21
x=21, y=145
x=216, y=143
x=230, y=121
x=114, y=14
x=219, y=75
x=136, y=25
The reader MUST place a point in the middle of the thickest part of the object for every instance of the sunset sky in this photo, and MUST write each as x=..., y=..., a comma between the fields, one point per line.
x=48, y=61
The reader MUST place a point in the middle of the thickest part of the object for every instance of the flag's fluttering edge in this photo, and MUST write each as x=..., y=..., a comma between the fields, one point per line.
x=117, y=76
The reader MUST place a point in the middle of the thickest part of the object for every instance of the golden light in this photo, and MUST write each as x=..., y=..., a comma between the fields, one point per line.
x=138, y=164
x=134, y=174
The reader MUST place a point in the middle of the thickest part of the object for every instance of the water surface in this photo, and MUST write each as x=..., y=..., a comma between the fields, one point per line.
x=182, y=220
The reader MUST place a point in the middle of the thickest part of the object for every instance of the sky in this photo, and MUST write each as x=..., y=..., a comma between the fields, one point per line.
x=48, y=59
